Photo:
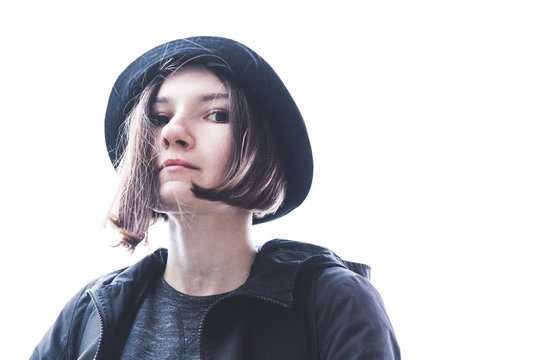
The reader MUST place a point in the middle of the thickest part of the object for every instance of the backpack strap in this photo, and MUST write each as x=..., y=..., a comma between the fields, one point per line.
x=311, y=271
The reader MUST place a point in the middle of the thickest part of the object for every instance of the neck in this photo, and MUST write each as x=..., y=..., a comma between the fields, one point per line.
x=209, y=253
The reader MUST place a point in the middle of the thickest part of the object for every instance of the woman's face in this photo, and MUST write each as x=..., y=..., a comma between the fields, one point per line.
x=194, y=137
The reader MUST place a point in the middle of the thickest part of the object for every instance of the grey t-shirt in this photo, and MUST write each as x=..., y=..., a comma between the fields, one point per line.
x=167, y=325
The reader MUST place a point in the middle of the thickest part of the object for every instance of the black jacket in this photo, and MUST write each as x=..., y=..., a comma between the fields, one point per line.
x=301, y=301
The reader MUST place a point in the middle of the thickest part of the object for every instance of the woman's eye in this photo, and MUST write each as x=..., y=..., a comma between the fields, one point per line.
x=159, y=119
x=219, y=116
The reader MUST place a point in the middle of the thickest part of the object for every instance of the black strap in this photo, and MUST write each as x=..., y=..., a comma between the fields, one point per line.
x=310, y=273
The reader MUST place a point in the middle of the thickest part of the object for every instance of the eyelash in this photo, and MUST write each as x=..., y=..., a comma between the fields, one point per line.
x=161, y=120
x=219, y=112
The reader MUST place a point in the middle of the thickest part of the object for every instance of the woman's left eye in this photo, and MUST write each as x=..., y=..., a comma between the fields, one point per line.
x=219, y=116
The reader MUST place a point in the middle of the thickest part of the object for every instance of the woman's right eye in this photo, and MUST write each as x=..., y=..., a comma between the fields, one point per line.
x=159, y=119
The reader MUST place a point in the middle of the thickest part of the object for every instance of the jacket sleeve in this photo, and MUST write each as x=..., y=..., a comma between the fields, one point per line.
x=58, y=340
x=351, y=322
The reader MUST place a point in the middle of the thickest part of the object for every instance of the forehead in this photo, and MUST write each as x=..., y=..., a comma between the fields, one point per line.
x=191, y=81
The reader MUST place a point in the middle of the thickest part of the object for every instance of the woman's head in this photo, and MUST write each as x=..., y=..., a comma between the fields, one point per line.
x=259, y=139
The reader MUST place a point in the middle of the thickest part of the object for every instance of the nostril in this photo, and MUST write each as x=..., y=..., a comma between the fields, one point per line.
x=166, y=142
x=182, y=143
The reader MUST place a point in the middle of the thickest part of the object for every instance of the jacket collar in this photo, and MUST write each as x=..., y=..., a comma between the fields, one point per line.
x=272, y=276
x=273, y=273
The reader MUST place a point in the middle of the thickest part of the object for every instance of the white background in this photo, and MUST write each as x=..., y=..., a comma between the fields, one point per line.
x=424, y=122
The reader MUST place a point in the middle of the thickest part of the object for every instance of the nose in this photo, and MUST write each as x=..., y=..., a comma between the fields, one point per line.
x=177, y=133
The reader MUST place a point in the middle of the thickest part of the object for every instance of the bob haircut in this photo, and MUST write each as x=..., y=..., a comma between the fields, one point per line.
x=254, y=179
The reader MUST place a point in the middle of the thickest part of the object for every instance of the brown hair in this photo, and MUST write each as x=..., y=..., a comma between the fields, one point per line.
x=254, y=180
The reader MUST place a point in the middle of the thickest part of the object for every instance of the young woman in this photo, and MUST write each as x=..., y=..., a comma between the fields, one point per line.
x=205, y=135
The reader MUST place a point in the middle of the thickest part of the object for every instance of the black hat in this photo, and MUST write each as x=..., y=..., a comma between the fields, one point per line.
x=254, y=76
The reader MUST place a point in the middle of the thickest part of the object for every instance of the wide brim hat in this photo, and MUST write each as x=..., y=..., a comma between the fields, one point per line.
x=253, y=74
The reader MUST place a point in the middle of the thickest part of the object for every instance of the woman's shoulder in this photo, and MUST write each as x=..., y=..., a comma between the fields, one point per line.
x=341, y=283
x=80, y=300
x=351, y=319
x=345, y=311
x=70, y=328
x=67, y=328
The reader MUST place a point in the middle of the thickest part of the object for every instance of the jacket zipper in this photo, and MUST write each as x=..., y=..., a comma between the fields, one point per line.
x=201, y=325
x=100, y=316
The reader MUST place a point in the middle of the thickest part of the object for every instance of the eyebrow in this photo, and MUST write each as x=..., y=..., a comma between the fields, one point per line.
x=204, y=98
x=216, y=96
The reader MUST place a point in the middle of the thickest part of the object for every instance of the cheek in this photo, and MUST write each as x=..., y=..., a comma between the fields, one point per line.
x=226, y=152
x=221, y=152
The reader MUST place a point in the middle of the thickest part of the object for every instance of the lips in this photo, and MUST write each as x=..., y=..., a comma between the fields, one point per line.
x=178, y=163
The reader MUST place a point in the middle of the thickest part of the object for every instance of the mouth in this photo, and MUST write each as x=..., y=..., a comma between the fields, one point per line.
x=177, y=164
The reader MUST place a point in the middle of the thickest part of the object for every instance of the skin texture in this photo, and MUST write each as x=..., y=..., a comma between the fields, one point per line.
x=210, y=250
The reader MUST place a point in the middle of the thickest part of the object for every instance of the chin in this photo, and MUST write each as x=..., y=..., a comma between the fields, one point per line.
x=175, y=199
x=180, y=200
